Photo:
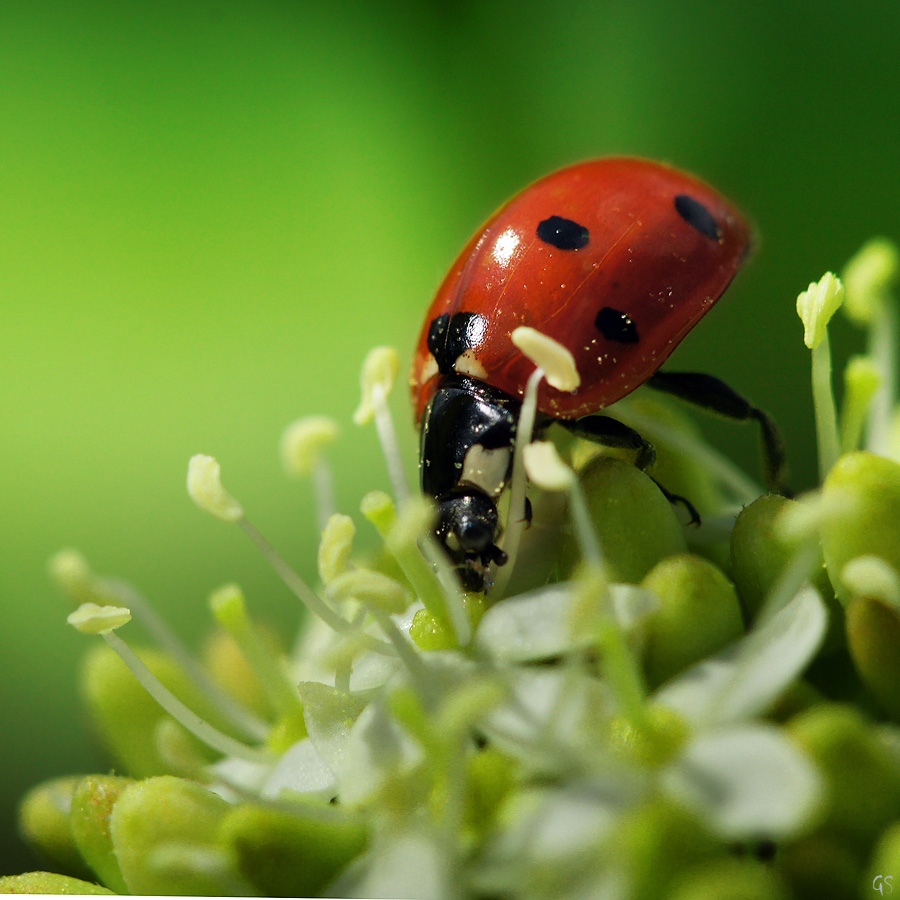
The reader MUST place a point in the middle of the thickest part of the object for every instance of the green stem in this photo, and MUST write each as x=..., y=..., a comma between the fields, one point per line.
x=827, y=437
x=245, y=721
x=307, y=596
x=518, y=482
x=883, y=350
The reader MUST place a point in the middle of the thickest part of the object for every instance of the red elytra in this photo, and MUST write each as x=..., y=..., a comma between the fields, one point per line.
x=617, y=259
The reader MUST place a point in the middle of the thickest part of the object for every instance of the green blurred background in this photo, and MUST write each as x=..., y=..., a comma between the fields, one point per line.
x=211, y=210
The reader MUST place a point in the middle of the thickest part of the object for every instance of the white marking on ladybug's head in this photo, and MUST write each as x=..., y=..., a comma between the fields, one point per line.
x=486, y=469
x=429, y=369
x=467, y=363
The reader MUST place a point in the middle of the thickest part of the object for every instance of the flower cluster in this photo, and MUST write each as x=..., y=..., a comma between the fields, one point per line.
x=638, y=709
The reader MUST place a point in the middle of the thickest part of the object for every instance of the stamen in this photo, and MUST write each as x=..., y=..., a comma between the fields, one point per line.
x=301, y=452
x=306, y=595
x=245, y=721
x=871, y=576
x=93, y=619
x=816, y=306
x=205, y=488
x=377, y=378
x=73, y=574
x=90, y=618
x=548, y=471
x=421, y=676
x=403, y=535
x=230, y=611
x=545, y=468
x=861, y=381
x=883, y=336
x=204, y=484
x=870, y=277
x=551, y=356
x=372, y=588
x=518, y=482
x=335, y=547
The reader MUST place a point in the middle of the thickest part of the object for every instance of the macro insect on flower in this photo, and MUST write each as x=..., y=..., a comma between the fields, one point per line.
x=663, y=714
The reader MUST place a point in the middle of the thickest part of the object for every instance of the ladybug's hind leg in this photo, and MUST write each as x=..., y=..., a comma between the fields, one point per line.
x=711, y=394
x=611, y=433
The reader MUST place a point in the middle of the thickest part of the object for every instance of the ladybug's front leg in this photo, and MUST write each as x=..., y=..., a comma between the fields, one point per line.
x=715, y=396
x=612, y=433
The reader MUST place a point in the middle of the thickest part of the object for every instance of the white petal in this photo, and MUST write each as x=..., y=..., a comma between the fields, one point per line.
x=243, y=774
x=329, y=714
x=746, y=678
x=302, y=771
x=747, y=783
x=401, y=864
x=377, y=748
x=549, y=711
x=538, y=624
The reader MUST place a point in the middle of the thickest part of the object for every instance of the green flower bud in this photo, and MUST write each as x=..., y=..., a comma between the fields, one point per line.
x=759, y=552
x=634, y=521
x=869, y=277
x=656, y=843
x=491, y=777
x=731, y=879
x=873, y=634
x=290, y=855
x=865, y=492
x=431, y=633
x=229, y=668
x=885, y=861
x=48, y=883
x=676, y=438
x=821, y=866
x=92, y=804
x=45, y=824
x=125, y=716
x=698, y=614
x=654, y=742
x=157, y=825
x=862, y=776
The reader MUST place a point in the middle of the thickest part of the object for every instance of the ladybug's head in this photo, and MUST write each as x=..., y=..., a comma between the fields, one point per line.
x=468, y=527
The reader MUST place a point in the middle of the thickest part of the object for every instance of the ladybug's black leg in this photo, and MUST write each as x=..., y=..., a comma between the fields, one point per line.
x=677, y=498
x=612, y=433
x=714, y=395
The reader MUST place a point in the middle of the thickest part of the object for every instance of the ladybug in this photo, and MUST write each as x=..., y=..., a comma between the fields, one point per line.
x=617, y=259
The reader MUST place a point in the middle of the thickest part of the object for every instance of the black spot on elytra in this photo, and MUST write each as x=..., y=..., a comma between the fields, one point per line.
x=616, y=326
x=449, y=337
x=564, y=234
x=698, y=216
